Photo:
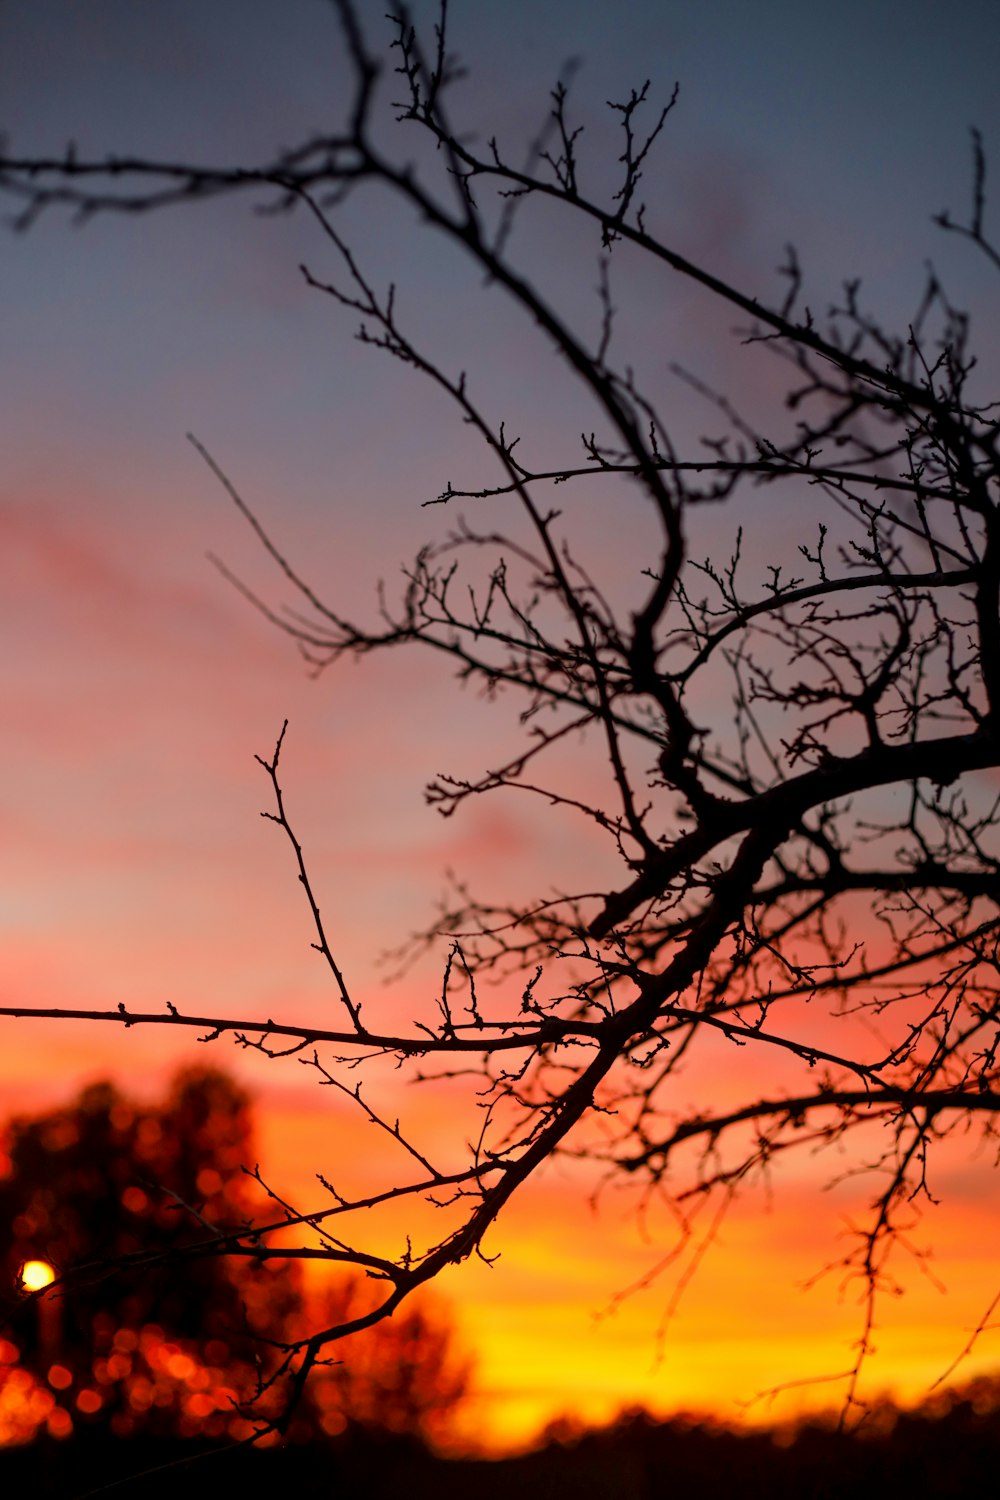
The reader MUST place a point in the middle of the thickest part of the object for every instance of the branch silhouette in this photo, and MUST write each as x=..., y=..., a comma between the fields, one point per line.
x=775, y=746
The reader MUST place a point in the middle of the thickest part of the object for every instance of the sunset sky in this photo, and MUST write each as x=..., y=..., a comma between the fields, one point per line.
x=137, y=686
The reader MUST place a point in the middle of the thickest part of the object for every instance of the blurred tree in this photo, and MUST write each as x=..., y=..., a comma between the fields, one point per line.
x=403, y=1376
x=105, y=1178
x=165, y=1342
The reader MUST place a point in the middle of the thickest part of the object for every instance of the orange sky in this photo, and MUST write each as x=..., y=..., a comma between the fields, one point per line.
x=138, y=688
x=551, y=1338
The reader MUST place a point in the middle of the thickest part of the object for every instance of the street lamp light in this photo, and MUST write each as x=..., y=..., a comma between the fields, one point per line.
x=36, y=1275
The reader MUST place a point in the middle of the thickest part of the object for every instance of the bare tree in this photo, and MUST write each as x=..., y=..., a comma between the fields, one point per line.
x=783, y=747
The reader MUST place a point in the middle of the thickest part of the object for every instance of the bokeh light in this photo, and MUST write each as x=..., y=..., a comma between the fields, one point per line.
x=36, y=1275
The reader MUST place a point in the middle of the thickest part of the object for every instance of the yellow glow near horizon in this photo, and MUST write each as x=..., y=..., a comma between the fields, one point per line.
x=36, y=1274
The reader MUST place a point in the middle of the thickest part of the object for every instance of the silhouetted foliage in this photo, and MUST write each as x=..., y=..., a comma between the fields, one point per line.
x=797, y=729
x=948, y=1451
x=106, y=1180
x=402, y=1377
x=141, y=1333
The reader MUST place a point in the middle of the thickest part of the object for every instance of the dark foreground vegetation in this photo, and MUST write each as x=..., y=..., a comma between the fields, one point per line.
x=949, y=1449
